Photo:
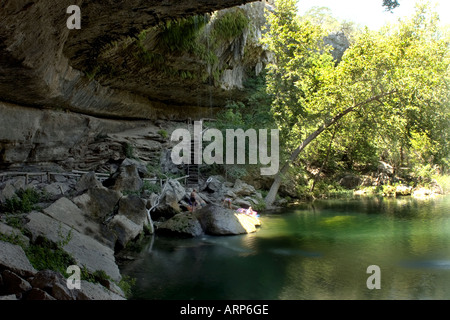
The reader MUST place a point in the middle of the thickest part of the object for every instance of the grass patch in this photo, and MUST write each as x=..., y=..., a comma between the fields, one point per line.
x=46, y=255
x=23, y=201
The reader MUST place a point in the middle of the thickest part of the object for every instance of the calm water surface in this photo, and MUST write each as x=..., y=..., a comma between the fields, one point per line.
x=316, y=251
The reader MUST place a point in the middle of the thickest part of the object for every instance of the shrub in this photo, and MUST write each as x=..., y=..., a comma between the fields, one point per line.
x=23, y=201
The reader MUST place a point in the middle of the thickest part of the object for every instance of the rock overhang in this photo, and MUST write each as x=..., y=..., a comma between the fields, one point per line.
x=41, y=60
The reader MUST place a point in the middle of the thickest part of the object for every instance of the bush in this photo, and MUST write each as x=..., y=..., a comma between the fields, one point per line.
x=163, y=133
x=23, y=202
x=444, y=182
x=47, y=255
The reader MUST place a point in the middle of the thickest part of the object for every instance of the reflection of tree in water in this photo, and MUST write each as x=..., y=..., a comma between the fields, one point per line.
x=305, y=254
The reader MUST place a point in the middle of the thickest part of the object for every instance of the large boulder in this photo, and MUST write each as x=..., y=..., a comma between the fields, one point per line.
x=86, y=182
x=242, y=189
x=134, y=208
x=85, y=250
x=216, y=220
x=350, y=181
x=126, y=178
x=67, y=212
x=213, y=184
x=131, y=219
x=95, y=291
x=98, y=203
x=183, y=225
x=385, y=168
x=168, y=202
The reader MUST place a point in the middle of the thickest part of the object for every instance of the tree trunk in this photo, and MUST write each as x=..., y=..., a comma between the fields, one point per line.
x=270, y=198
x=316, y=177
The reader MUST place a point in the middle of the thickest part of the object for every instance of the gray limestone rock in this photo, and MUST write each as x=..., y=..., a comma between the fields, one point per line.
x=182, y=224
x=85, y=250
x=13, y=258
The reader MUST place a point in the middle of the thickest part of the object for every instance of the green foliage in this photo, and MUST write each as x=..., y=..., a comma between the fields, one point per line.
x=163, y=133
x=126, y=284
x=444, y=182
x=151, y=187
x=47, y=255
x=180, y=35
x=14, y=239
x=391, y=87
x=23, y=202
x=128, y=150
x=261, y=206
x=251, y=114
x=230, y=25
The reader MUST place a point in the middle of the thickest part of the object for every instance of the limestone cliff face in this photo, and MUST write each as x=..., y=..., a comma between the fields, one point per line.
x=70, y=97
x=43, y=64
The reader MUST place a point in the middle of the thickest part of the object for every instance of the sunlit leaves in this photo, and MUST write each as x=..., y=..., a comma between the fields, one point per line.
x=409, y=60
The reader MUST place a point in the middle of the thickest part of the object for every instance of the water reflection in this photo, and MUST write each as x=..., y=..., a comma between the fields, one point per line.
x=318, y=251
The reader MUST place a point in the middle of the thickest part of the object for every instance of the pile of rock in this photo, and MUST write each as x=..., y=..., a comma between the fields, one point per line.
x=96, y=220
x=20, y=281
x=215, y=189
x=212, y=219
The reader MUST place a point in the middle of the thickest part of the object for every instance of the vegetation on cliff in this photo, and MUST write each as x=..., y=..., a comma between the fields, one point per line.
x=385, y=100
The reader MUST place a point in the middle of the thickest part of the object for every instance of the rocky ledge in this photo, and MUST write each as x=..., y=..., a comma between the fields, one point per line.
x=19, y=280
x=213, y=220
x=93, y=218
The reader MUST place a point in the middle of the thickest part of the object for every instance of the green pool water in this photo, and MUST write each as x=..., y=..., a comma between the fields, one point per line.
x=315, y=251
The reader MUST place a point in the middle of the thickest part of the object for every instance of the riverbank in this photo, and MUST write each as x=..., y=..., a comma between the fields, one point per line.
x=315, y=251
x=55, y=220
x=93, y=221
